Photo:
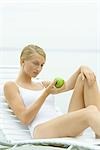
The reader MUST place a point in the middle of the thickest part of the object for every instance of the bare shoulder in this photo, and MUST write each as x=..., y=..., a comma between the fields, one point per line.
x=46, y=83
x=10, y=87
x=10, y=84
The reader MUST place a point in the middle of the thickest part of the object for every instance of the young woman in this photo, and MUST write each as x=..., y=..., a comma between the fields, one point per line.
x=33, y=102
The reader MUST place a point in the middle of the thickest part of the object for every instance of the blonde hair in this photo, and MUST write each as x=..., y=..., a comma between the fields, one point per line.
x=29, y=50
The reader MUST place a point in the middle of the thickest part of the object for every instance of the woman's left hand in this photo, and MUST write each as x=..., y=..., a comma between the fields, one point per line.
x=88, y=74
x=56, y=90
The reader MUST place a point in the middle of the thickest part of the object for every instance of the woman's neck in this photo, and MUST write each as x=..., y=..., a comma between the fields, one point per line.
x=23, y=78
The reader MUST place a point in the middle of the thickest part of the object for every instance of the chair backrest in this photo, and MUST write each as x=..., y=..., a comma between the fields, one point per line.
x=10, y=125
x=8, y=73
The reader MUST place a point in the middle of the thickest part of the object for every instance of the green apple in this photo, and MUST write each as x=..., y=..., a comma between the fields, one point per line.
x=59, y=82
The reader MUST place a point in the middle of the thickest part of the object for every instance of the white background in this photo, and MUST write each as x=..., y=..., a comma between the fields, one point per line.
x=68, y=30
x=53, y=24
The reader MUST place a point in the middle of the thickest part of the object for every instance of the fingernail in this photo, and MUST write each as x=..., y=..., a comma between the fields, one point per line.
x=82, y=78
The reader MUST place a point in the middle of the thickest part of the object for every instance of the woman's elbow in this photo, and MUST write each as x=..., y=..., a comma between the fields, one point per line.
x=25, y=120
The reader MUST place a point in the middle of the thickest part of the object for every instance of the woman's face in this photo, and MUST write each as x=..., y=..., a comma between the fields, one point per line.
x=34, y=65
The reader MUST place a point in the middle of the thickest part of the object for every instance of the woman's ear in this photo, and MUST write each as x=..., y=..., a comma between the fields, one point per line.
x=21, y=62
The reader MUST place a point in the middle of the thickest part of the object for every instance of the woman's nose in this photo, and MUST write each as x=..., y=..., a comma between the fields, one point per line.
x=38, y=68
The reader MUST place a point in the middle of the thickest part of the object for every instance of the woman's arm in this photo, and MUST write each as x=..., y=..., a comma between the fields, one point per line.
x=85, y=72
x=69, y=84
x=25, y=114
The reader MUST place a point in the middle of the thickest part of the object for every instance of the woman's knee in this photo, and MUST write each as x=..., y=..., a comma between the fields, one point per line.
x=91, y=110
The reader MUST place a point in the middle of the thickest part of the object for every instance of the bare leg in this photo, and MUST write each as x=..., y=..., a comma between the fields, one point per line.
x=65, y=125
x=94, y=121
x=91, y=95
x=71, y=124
x=84, y=95
x=77, y=99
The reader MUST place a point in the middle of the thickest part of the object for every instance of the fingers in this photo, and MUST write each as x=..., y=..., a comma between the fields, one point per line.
x=91, y=78
x=89, y=75
x=51, y=86
x=83, y=77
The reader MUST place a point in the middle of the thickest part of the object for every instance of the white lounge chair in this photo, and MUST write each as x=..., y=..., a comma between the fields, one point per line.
x=15, y=133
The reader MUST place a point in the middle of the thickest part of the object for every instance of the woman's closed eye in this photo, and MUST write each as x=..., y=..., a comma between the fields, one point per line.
x=37, y=64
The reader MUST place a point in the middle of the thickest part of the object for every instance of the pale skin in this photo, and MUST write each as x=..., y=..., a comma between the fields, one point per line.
x=84, y=105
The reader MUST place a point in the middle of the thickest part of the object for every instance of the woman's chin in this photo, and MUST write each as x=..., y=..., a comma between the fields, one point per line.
x=34, y=76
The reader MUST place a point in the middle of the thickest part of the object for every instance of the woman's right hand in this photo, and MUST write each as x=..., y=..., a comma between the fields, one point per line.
x=51, y=87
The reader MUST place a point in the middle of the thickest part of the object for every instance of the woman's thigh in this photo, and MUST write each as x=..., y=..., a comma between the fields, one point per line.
x=71, y=124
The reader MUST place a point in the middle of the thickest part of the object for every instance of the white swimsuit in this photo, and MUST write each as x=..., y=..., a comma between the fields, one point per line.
x=47, y=111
